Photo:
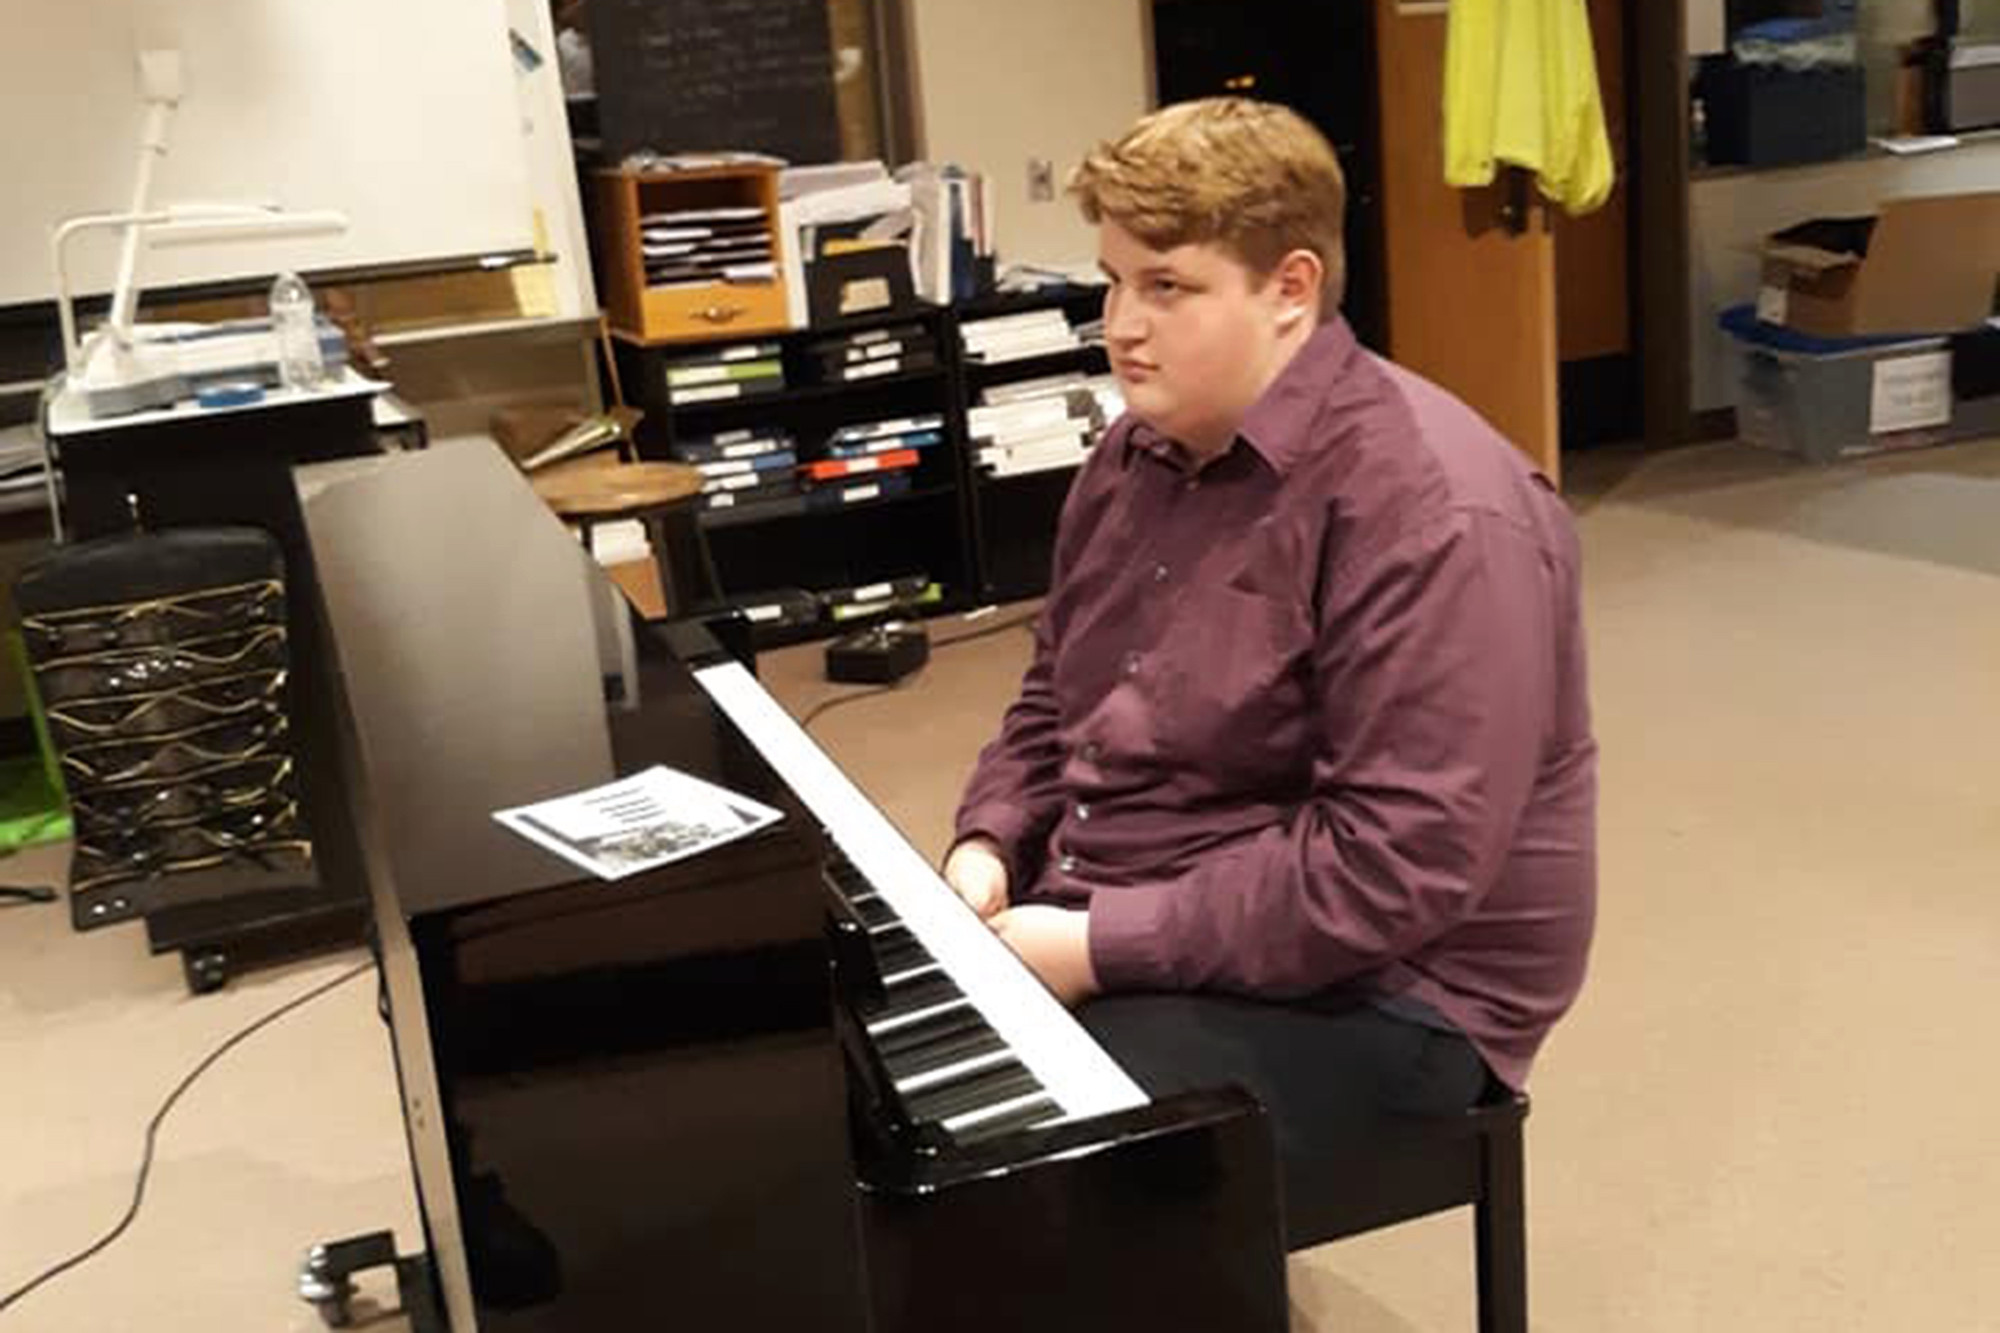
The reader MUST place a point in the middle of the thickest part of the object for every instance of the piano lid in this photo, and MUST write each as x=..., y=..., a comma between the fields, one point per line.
x=487, y=663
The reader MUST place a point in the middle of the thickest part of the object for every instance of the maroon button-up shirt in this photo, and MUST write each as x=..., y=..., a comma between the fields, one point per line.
x=1314, y=716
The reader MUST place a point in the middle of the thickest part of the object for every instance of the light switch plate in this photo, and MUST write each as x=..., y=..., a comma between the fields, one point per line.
x=1041, y=180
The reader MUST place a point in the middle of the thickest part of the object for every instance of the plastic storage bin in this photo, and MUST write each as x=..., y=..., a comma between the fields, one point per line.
x=1822, y=400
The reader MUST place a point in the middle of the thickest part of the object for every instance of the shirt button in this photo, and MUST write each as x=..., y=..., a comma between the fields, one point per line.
x=1192, y=484
x=1083, y=814
x=1159, y=573
x=1067, y=865
x=1131, y=664
x=1092, y=752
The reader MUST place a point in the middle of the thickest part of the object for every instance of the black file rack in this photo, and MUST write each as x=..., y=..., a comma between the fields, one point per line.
x=980, y=539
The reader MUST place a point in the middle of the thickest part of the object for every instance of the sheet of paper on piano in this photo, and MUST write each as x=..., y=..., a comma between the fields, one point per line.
x=649, y=819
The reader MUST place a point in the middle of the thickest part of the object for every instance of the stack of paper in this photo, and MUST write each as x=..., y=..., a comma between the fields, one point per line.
x=743, y=469
x=886, y=437
x=870, y=460
x=854, y=199
x=954, y=229
x=1018, y=337
x=694, y=247
x=874, y=353
x=1042, y=426
x=905, y=593
x=619, y=543
x=23, y=463
x=740, y=370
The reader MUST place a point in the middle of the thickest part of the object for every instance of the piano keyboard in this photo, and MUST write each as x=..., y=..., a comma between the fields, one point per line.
x=974, y=1041
x=948, y=1065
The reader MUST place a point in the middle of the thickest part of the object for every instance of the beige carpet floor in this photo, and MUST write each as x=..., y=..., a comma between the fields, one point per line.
x=1773, y=1109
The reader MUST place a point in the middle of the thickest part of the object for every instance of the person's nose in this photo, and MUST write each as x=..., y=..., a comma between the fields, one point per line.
x=1124, y=323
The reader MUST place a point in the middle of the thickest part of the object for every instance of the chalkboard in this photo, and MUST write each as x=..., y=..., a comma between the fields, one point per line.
x=702, y=75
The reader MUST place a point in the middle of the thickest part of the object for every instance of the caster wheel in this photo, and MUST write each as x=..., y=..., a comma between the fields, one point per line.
x=206, y=971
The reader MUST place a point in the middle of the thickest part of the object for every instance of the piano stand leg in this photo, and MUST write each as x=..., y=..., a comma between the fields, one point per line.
x=326, y=1280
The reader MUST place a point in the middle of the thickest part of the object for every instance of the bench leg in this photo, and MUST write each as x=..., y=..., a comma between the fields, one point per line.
x=1501, y=1225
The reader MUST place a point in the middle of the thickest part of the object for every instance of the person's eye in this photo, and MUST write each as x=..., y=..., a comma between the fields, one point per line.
x=1166, y=287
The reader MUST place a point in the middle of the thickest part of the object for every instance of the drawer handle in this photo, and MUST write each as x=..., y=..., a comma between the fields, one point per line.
x=722, y=314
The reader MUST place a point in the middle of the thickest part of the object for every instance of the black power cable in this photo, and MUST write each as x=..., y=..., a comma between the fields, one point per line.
x=153, y=1131
x=825, y=706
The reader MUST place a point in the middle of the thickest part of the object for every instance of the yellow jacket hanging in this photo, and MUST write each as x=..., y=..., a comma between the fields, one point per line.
x=1520, y=88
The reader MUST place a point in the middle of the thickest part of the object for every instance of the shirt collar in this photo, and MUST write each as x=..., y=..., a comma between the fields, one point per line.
x=1278, y=426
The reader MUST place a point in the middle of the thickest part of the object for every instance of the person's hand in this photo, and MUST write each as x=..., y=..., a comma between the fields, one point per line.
x=976, y=870
x=1055, y=944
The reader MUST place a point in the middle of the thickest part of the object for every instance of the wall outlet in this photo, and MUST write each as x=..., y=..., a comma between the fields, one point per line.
x=1041, y=180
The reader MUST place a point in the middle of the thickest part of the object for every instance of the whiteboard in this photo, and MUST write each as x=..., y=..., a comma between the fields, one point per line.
x=404, y=116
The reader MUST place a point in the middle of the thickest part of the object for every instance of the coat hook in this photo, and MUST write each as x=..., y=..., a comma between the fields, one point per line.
x=1514, y=201
x=132, y=509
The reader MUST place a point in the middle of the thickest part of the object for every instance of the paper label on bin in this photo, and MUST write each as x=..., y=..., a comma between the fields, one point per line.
x=1773, y=303
x=1911, y=393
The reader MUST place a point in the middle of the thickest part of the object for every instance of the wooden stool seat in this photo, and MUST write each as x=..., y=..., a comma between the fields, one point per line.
x=601, y=489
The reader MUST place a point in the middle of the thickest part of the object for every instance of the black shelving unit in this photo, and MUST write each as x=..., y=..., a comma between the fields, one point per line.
x=754, y=550
x=979, y=538
x=1013, y=519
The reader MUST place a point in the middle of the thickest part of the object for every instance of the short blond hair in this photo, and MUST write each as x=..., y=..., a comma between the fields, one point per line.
x=1250, y=176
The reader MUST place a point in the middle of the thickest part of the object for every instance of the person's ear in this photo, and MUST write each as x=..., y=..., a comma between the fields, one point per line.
x=1296, y=286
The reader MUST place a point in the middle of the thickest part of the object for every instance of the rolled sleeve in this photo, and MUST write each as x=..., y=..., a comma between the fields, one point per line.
x=1129, y=948
x=1015, y=793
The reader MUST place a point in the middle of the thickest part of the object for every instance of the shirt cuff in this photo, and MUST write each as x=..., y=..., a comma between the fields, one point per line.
x=1129, y=944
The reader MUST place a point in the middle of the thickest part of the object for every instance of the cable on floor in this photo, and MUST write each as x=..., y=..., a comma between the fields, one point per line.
x=825, y=706
x=207, y=1062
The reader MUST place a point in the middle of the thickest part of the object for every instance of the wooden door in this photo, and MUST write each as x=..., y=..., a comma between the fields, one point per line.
x=1593, y=252
x=1471, y=305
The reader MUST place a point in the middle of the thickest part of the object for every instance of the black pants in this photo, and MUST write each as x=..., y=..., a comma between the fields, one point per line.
x=1328, y=1078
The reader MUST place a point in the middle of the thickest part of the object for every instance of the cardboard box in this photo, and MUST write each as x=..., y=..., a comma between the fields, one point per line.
x=1920, y=266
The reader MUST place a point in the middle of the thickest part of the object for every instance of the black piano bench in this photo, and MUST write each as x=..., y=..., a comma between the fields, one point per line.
x=1424, y=1166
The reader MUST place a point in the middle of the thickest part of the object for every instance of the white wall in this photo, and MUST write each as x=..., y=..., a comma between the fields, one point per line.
x=1000, y=83
x=1730, y=214
x=404, y=117
x=1706, y=29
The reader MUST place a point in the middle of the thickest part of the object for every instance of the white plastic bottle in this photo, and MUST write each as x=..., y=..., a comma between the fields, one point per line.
x=300, y=365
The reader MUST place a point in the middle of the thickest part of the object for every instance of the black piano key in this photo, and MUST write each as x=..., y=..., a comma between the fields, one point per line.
x=907, y=1064
x=920, y=993
x=935, y=1028
x=907, y=956
x=884, y=939
x=1031, y=1114
x=989, y=1087
x=847, y=875
x=874, y=911
x=899, y=951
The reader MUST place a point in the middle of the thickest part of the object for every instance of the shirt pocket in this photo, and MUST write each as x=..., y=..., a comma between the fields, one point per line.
x=1234, y=691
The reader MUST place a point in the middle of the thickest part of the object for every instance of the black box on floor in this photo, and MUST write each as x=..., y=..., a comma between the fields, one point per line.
x=1767, y=116
x=879, y=656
